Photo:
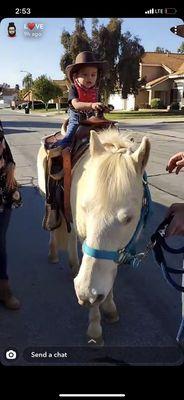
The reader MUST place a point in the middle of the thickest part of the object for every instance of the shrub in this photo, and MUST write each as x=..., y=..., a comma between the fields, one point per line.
x=157, y=103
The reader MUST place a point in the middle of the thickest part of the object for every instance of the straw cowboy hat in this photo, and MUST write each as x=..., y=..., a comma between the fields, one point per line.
x=85, y=59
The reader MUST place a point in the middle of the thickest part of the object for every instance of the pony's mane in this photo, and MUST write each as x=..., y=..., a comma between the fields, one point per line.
x=115, y=141
x=111, y=173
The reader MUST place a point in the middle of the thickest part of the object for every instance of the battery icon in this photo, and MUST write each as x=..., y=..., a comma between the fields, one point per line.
x=170, y=11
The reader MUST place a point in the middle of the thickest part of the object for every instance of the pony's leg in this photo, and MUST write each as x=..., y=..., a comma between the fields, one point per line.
x=53, y=248
x=72, y=252
x=109, y=308
x=94, y=329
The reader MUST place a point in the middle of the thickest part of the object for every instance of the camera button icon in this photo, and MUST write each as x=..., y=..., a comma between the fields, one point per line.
x=11, y=354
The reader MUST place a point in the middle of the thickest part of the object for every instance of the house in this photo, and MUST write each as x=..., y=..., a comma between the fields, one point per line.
x=7, y=95
x=164, y=76
x=64, y=85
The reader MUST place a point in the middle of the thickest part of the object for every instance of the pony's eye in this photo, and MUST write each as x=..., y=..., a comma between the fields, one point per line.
x=127, y=219
x=123, y=218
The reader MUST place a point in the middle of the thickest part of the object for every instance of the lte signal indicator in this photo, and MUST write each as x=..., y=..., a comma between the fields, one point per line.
x=154, y=11
x=151, y=11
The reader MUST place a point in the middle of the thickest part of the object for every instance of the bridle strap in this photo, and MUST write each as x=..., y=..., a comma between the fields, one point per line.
x=125, y=255
x=100, y=254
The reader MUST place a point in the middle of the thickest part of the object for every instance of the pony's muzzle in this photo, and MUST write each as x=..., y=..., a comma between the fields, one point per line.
x=93, y=300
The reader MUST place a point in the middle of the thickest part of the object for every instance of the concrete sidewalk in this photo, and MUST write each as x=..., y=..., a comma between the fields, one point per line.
x=150, y=120
x=63, y=115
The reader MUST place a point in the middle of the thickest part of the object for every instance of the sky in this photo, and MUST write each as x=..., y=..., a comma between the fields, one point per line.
x=42, y=55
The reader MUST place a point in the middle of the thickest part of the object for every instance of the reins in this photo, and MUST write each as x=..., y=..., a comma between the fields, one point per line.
x=158, y=241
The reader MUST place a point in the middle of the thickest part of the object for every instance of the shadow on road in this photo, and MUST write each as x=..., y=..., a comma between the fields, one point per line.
x=12, y=131
x=31, y=124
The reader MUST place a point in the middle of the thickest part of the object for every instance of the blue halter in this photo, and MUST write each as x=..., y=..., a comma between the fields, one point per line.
x=125, y=255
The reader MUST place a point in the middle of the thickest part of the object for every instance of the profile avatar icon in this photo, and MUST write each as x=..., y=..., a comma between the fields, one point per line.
x=11, y=29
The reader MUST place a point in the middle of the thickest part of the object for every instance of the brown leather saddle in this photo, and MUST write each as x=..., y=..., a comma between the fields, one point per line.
x=61, y=161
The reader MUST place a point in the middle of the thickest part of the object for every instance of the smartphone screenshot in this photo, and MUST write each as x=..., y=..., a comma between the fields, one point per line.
x=91, y=190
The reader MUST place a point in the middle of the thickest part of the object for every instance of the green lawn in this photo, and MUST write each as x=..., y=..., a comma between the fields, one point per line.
x=118, y=115
x=143, y=114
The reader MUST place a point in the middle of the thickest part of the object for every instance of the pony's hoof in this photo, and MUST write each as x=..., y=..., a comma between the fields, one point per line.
x=111, y=318
x=53, y=260
x=96, y=341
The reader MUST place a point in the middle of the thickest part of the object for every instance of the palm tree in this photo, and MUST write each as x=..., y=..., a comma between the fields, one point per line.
x=27, y=81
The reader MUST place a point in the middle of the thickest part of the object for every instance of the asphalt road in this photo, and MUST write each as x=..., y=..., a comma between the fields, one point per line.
x=50, y=318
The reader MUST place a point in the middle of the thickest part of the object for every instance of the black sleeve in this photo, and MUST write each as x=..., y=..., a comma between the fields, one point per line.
x=8, y=155
x=72, y=94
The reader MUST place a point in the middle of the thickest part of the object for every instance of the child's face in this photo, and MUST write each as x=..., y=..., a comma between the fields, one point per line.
x=87, y=76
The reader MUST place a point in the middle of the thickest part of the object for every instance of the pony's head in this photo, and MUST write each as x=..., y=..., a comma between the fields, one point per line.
x=111, y=204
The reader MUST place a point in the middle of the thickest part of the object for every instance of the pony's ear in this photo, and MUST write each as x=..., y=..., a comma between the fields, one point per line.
x=141, y=155
x=96, y=147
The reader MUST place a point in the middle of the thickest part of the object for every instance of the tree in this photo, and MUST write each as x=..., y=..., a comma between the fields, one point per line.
x=181, y=48
x=28, y=82
x=105, y=44
x=74, y=44
x=44, y=89
x=108, y=43
x=162, y=50
x=128, y=67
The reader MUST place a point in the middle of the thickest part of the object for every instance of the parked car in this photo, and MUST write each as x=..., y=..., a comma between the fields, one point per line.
x=37, y=104
x=64, y=107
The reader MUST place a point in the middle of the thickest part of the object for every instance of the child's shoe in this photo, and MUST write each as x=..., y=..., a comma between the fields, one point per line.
x=52, y=218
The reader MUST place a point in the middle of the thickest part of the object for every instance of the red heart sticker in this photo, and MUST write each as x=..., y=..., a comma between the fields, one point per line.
x=31, y=25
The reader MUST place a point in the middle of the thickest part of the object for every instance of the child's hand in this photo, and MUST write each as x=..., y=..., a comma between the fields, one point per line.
x=10, y=180
x=97, y=106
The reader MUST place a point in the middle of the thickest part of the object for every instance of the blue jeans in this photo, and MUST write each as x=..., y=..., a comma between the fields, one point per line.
x=4, y=222
x=71, y=129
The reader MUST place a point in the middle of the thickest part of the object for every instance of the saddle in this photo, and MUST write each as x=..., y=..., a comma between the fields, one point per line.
x=60, y=163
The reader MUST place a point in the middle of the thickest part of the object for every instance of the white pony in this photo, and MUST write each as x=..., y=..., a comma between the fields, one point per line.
x=106, y=202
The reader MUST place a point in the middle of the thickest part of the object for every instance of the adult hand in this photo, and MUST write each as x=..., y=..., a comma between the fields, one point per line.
x=10, y=179
x=176, y=161
x=176, y=226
